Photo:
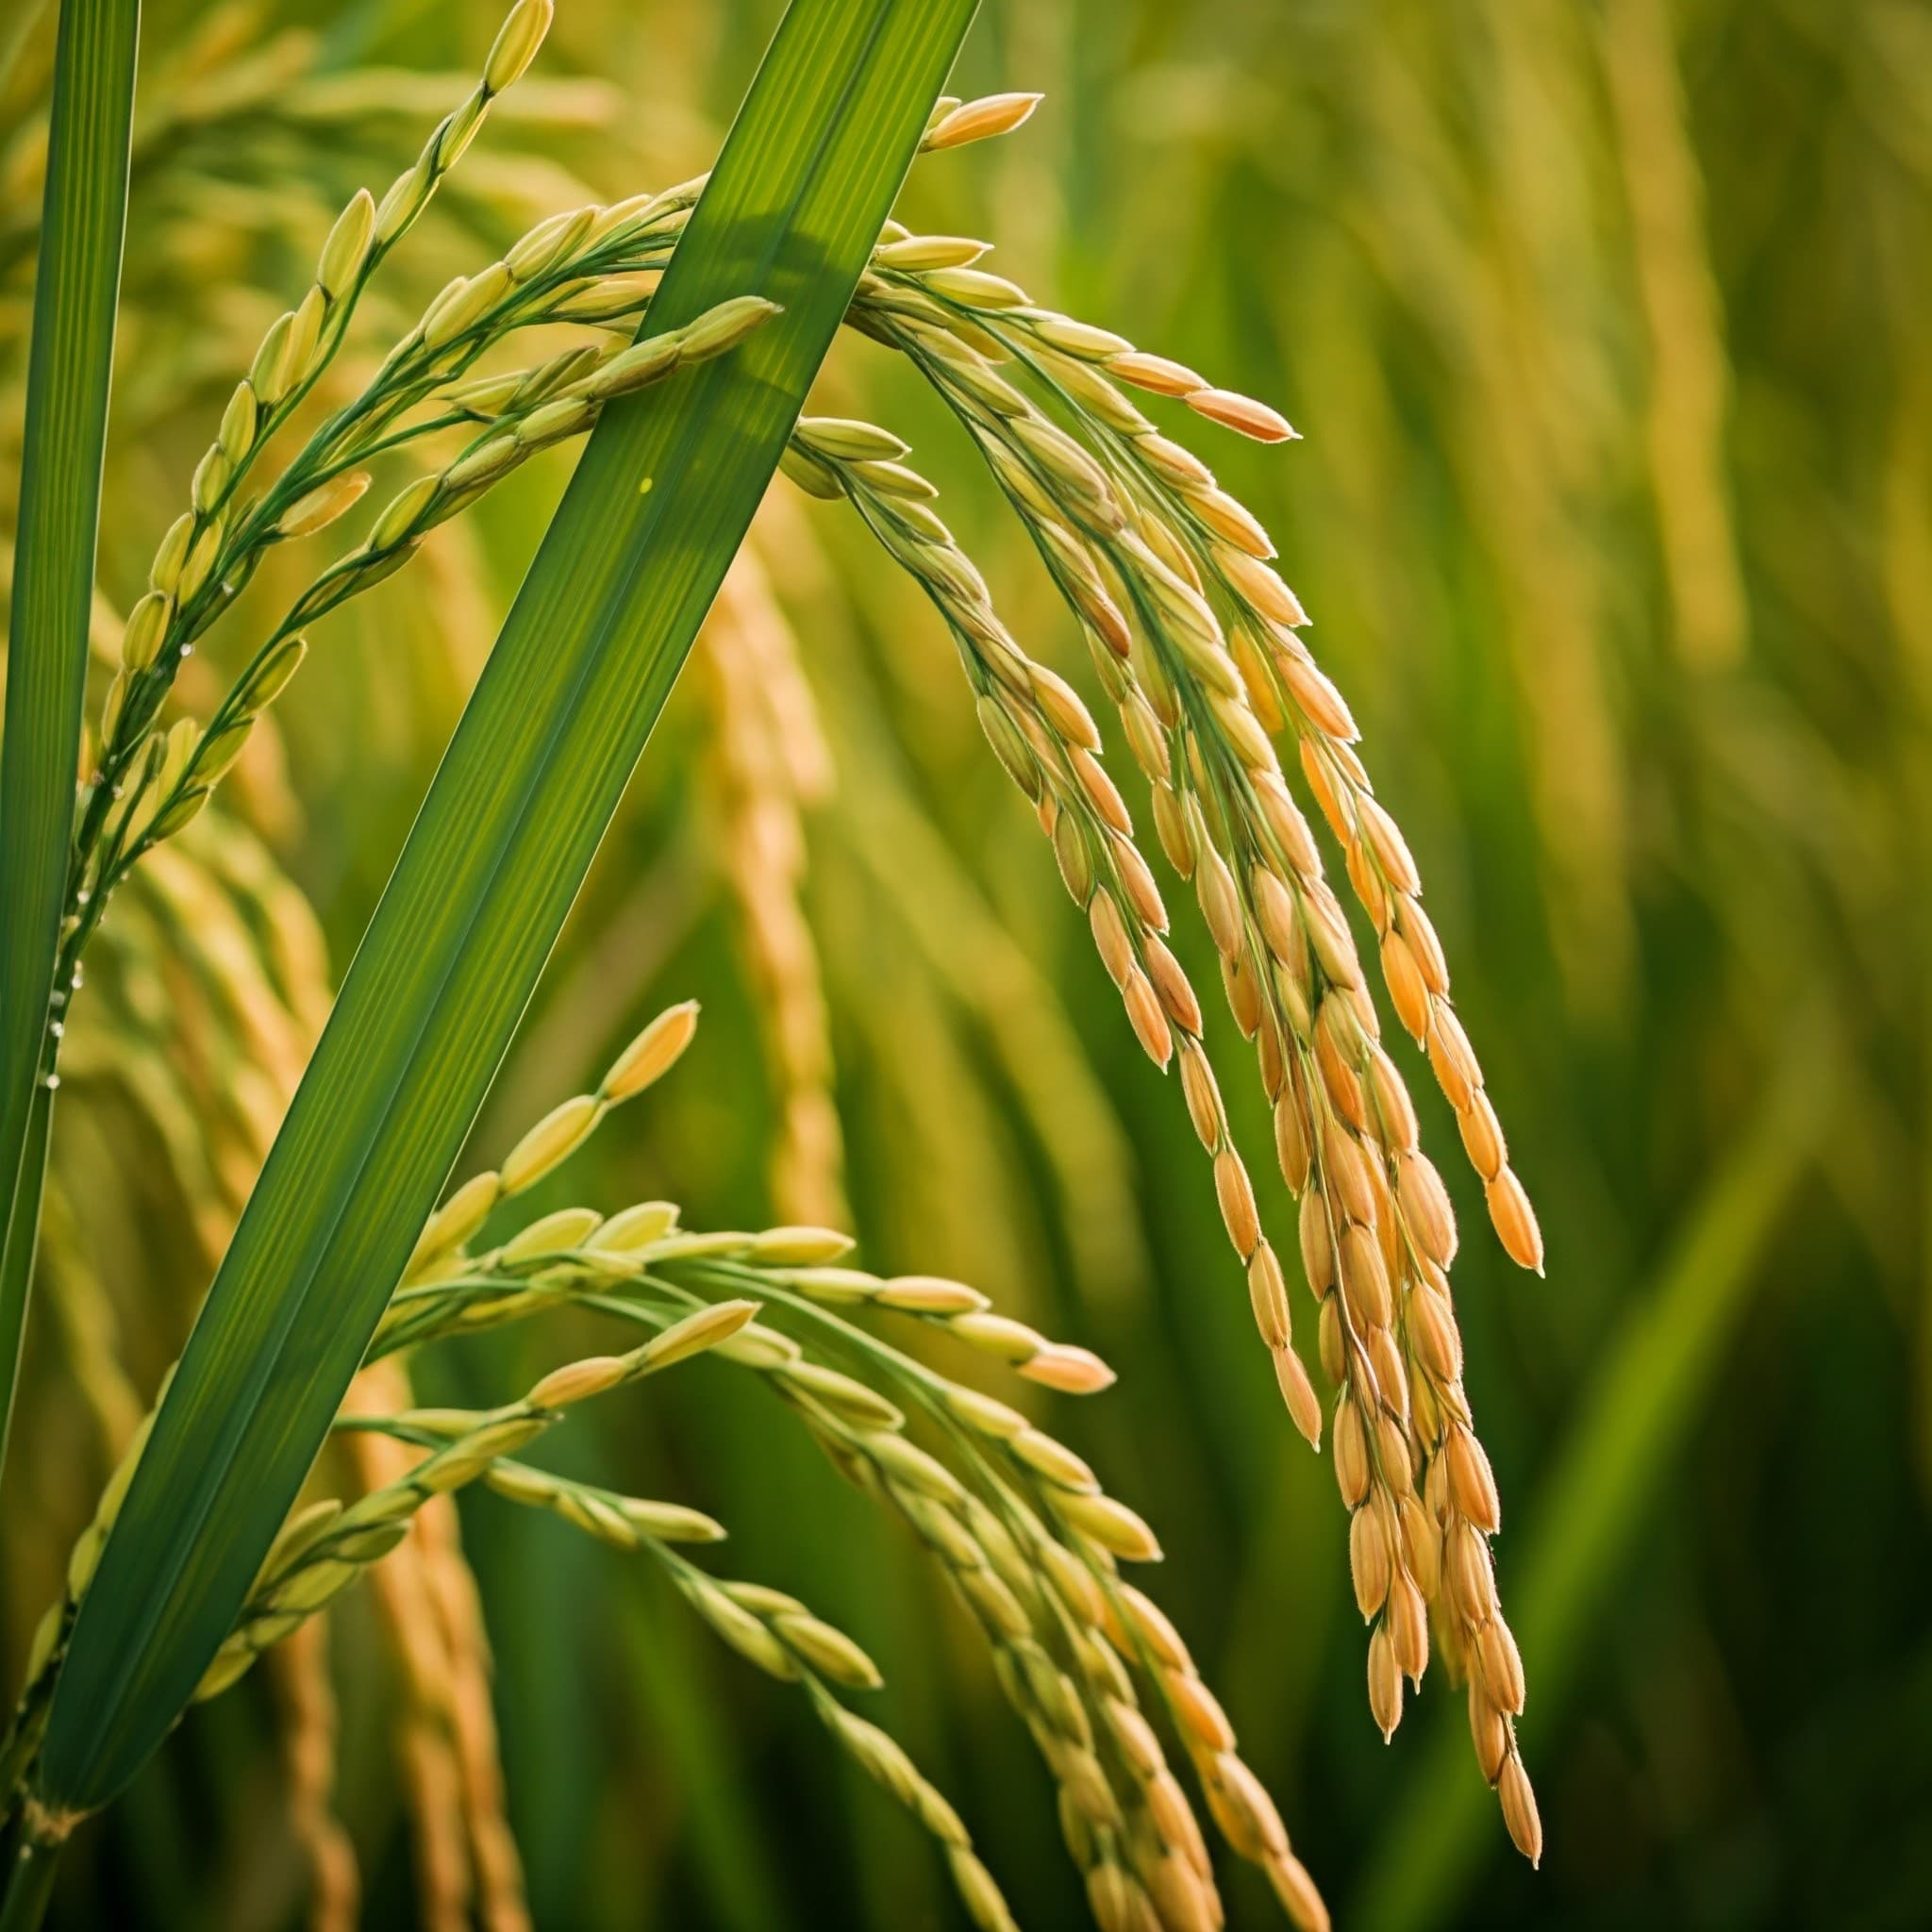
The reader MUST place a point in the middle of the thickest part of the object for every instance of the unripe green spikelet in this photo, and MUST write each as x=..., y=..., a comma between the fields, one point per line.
x=909, y=1464
x=322, y=505
x=232, y=1661
x=552, y=422
x=724, y=327
x=220, y=751
x=516, y=44
x=548, y=242
x=552, y=1140
x=579, y=1381
x=931, y=1294
x=276, y=669
x=348, y=247
x=976, y=288
x=460, y=1216
x=917, y=253
x=652, y=1054
x=634, y=367
x=811, y=476
x=865, y=1408
x=802, y=1247
x=1055, y=1461
x=314, y=1585
x=405, y=201
x=210, y=478
x=742, y=1631
x=984, y=1413
x=841, y=1287
x=484, y=463
x=264, y=375
x=201, y=558
x=370, y=1545
x=147, y=623
x=173, y=553
x=237, y=433
x=400, y=513
x=450, y=1469
x=697, y=1332
x=555, y=1234
x=636, y=1228
x=671, y=1522
x=829, y=1651
x=848, y=440
x=305, y=333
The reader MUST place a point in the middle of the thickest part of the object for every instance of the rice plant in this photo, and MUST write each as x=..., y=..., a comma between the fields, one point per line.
x=678, y=330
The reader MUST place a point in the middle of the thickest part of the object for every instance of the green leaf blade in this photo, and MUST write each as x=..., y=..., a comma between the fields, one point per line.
x=70, y=363
x=660, y=502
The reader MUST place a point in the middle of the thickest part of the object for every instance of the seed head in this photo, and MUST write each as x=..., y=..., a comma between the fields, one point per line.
x=652, y=1054
x=516, y=44
x=980, y=120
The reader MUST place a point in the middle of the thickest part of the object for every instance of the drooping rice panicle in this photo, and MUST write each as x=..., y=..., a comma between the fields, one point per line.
x=1119, y=1810
x=1153, y=1850
x=1196, y=643
x=1118, y=511
x=1121, y=1815
x=768, y=1627
x=1026, y=1533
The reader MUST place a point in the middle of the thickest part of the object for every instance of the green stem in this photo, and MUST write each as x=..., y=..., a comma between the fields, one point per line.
x=28, y=1883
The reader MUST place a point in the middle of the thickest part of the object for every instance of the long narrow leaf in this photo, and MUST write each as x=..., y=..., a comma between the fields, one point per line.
x=659, y=505
x=85, y=211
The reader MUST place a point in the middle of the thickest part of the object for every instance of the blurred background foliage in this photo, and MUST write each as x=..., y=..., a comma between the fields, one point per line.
x=1606, y=324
